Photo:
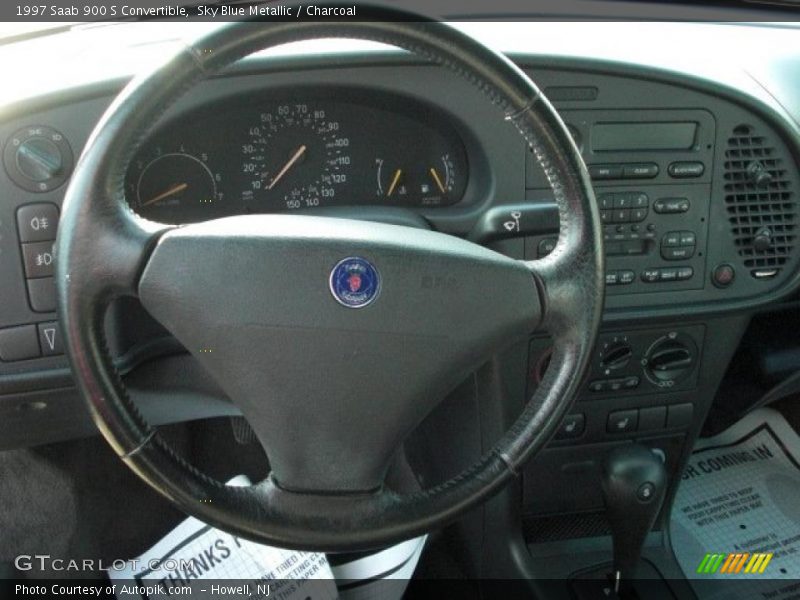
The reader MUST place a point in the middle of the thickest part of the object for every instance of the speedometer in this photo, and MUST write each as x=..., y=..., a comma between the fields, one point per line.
x=296, y=156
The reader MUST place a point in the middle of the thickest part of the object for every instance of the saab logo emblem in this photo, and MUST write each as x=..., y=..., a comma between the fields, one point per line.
x=735, y=563
x=355, y=282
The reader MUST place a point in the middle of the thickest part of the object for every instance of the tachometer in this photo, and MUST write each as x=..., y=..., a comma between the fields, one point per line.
x=294, y=157
x=174, y=187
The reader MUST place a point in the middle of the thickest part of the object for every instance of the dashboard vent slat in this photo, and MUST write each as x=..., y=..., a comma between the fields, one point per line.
x=755, y=205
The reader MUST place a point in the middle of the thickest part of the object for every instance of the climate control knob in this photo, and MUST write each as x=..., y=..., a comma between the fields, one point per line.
x=670, y=360
x=616, y=356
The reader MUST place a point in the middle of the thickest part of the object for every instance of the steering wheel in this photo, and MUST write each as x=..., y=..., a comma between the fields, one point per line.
x=334, y=337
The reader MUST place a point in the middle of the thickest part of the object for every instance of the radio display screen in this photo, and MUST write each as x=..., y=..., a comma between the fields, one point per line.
x=621, y=137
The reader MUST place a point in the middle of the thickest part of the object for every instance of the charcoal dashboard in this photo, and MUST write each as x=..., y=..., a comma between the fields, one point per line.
x=697, y=184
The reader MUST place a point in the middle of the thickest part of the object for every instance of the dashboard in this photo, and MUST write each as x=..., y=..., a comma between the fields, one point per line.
x=694, y=165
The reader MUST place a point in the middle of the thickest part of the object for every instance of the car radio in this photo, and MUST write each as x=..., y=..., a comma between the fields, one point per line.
x=652, y=176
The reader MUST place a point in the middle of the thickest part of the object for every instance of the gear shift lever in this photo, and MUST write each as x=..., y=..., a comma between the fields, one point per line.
x=634, y=481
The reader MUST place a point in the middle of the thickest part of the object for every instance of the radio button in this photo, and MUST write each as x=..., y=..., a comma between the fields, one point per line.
x=606, y=216
x=640, y=171
x=685, y=273
x=681, y=253
x=621, y=216
x=668, y=274
x=605, y=201
x=651, y=275
x=638, y=214
x=612, y=278
x=688, y=238
x=625, y=277
x=686, y=170
x=668, y=206
x=623, y=200
x=671, y=239
x=605, y=171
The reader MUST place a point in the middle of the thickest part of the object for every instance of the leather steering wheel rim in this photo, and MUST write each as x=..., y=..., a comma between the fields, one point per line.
x=103, y=248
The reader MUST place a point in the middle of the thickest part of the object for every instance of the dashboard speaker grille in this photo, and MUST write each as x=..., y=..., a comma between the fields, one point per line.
x=760, y=199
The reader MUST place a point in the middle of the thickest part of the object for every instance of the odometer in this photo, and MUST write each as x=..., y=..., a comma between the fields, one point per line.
x=295, y=156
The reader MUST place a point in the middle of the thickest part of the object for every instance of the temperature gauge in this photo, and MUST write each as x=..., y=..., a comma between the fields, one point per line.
x=419, y=181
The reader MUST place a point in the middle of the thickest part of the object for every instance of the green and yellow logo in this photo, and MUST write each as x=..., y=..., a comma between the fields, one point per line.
x=737, y=562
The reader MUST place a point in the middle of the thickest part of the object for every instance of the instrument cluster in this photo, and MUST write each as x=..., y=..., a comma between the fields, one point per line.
x=296, y=152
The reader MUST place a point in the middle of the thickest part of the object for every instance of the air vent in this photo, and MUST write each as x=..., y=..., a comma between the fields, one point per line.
x=760, y=201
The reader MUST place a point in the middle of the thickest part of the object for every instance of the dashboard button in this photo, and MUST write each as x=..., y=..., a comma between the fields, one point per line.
x=571, y=427
x=38, y=259
x=605, y=171
x=685, y=273
x=19, y=343
x=640, y=171
x=607, y=216
x=638, y=214
x=598, y=385
x=546, y=246
x=621, y=215
x=686, y=169
x=671, y=239
x=723, y=275
x=667, y=274
x=606, y=201
x=681, y=253
x=622, y=421
x=37, y=222
x=50, y=338
x=687, y=238
x=654, y=417
x=42, y=294
x=668, y=206
x=631, y=383
x=651, y=275
x=640, y=200
x=622, y=200
x=680, y=415
x=612, y=278
x=625, y=277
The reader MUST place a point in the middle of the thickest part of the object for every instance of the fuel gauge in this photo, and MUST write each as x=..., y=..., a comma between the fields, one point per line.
x=419, y=181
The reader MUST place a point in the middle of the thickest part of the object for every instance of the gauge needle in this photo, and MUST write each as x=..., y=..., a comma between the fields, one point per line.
x=295, y=157
x=395, y=180
x=438, y=181
x=170, y=192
